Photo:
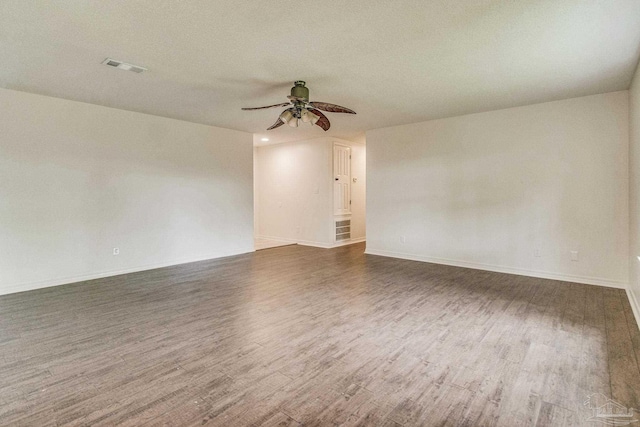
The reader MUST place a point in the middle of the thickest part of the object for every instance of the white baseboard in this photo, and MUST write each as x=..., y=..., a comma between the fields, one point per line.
x=501, y=269
x=29, y=286
x=280, y=241
x=332, y=245
x=349, y=242
x=322, y=245
x=635, y=307
x=277, y=239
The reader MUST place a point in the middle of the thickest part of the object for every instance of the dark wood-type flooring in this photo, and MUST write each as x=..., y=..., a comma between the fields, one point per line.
x=304, y=336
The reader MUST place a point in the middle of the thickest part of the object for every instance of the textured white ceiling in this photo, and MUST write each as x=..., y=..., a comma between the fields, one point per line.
x=394, y=62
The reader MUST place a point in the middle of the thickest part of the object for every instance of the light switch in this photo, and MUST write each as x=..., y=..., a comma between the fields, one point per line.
x=574, y=255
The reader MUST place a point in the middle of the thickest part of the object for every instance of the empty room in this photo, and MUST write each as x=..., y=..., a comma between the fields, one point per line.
x=346, y=213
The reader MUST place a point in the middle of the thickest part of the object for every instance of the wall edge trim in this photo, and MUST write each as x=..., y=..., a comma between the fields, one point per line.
x=597, y=281
x=30, y=286
x=313, y=243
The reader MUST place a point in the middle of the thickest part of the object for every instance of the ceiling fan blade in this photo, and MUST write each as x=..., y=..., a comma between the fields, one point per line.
x=323, y=122
x=277, y=124
x=286, y=104
x=332, y=108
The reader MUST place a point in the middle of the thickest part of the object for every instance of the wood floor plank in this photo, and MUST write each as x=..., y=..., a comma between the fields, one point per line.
x=295, y=335
x=632, y=327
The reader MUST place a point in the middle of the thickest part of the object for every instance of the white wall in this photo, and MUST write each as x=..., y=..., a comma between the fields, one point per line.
x=77, y=180
x=294, y=191
x=358, y=191
x=634, y=192
x=487, y=190
x=255, y=197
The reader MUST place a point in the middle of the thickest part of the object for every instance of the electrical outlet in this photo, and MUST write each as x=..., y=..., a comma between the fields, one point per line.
x=574, y=255
x=116, y=251
x=297, y=230
x=537, y=253
x=403, y=239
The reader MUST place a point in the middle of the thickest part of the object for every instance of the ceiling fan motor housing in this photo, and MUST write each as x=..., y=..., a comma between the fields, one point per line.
x=299, y=90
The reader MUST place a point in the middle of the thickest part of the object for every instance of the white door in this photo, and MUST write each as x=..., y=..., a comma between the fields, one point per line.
x=342, y=179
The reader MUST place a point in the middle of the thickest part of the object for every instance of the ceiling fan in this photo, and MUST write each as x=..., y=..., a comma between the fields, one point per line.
x=300, y=108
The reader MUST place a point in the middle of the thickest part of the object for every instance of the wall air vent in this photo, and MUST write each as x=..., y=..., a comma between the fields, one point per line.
x=343, y=230
x=123, y=65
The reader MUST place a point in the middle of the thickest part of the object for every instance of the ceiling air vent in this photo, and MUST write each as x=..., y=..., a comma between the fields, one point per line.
x=123, y=65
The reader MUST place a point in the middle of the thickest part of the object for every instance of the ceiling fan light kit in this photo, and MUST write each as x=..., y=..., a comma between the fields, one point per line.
x=300, y=108
x=286, y=116
x=307, y=116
